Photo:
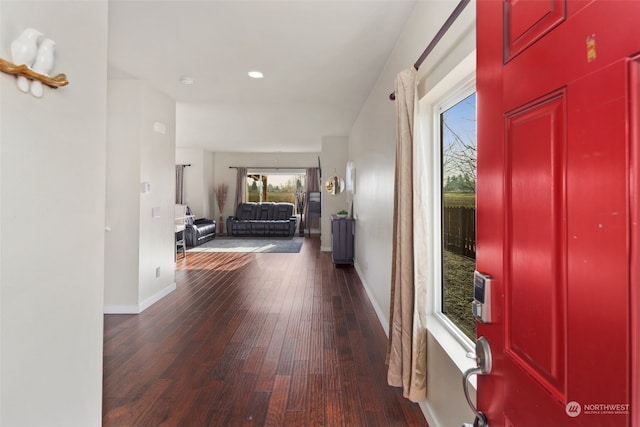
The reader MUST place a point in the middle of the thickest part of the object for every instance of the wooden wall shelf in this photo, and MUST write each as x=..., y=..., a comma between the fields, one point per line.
x=24, y=71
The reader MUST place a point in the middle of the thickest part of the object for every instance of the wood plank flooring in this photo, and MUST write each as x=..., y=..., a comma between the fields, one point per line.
x=253, y=340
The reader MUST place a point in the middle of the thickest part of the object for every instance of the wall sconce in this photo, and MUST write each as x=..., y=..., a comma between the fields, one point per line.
x=32, y=59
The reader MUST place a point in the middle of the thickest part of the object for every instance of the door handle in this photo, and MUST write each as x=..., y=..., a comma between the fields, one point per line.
x=483, y=367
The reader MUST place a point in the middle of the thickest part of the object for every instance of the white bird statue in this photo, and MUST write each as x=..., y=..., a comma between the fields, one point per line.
x=43, y=64
x=23, y=51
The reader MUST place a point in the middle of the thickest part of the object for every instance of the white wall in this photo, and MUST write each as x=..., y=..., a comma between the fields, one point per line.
x=210, y=207
x=157, y=166
x=334, y=162
x=122, y=251
x=139, y=243
x=199, y=181
x=52, y=216
x=196, y=195
x=372, y=149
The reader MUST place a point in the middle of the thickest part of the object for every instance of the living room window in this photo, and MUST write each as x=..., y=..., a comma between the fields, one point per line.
x=455, y=125
x=275, y=187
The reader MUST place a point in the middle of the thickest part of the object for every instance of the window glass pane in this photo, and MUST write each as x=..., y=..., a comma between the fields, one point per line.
x=275, y=188
x=281, y=188
x=254, y=187
x=458, y=144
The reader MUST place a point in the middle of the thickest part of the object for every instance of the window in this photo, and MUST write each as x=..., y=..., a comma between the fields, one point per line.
x=276, y=187
x=456, y=124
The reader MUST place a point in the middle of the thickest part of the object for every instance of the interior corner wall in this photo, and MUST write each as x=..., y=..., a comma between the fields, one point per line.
x=194, y=180
x=157, y=166
x=371, y=148
x=209, y=205
x=122, y=249
x=52, y=217
x=333, y=161
x=140, y=244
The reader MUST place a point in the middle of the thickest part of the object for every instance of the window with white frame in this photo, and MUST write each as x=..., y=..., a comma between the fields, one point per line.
x=454, y=124
x=276, y=187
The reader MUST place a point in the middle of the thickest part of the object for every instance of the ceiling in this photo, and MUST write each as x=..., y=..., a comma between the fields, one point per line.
x=320, y=59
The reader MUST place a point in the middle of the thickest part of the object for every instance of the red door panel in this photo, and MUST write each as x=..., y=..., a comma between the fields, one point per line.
x=528, y=20
x=598, y=234
x=536, y=217
x=557, y=204
x=634, y=68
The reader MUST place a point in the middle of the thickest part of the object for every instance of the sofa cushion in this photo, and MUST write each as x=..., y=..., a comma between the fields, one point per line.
x=282, y=211
x=245, y=211
x=263, y=210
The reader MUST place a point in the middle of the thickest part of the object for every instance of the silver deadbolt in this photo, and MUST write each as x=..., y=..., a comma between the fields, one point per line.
x=483, y=367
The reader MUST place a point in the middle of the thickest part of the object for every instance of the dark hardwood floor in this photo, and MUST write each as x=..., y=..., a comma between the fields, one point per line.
x=253, y=340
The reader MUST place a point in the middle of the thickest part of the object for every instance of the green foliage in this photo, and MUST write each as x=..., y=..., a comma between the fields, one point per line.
x=461, y=183
x=467, y=200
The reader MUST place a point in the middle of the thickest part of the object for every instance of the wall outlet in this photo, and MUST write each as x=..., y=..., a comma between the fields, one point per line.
x=155, y=212
x=157, y=272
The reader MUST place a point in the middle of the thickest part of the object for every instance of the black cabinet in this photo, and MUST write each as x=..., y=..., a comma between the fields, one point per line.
x=342, y=236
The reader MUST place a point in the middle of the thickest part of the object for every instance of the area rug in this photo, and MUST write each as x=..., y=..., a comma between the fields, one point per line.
x=251, y=244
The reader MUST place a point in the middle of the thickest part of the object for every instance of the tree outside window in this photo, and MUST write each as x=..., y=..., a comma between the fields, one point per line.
x=458, y=166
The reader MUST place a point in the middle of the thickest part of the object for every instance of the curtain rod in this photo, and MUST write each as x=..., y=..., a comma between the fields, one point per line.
x=436, y=39
x=271, y=167
x=184, y=165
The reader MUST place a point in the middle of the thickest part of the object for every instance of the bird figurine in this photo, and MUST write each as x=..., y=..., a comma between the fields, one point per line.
x=43, y=64
x=23, y=51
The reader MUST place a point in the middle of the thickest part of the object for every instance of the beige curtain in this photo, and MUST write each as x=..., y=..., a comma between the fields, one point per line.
x=180, y=184
x=407, y=347
x=241, y=187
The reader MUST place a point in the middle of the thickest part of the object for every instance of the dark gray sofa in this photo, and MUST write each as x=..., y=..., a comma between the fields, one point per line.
x=262, y=219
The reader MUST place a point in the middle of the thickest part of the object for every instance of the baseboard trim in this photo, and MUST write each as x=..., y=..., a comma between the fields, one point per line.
x=137, y=309
x=428, y=414
x=157, y=297
x=120, y=309
x=384, y=321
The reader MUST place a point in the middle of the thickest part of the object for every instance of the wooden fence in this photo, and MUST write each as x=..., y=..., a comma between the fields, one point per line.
x=459, y=230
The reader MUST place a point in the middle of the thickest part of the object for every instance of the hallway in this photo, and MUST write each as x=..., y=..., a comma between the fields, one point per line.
x=253, y=339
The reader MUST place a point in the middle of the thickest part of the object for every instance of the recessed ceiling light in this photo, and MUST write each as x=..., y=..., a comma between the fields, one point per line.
x=256, y=74
x=187, y=80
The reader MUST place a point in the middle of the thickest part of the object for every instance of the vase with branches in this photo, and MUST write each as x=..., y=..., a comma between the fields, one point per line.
x=221, y=191
x=300, y=200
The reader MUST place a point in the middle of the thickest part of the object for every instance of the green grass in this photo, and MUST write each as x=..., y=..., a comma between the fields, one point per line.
x=458, y=276
x=467, y=200
x=253, y=196
x=458, y=292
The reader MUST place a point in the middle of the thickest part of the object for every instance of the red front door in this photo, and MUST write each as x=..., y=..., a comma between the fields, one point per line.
x=556, y=213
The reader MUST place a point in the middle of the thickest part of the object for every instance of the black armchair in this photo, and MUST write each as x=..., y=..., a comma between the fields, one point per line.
x=198, y=231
